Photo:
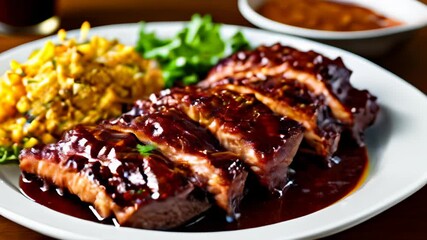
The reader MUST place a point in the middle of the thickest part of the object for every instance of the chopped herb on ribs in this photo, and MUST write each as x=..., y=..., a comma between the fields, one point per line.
x=185, y=142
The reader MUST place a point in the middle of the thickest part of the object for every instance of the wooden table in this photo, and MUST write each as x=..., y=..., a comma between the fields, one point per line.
x=406, y=220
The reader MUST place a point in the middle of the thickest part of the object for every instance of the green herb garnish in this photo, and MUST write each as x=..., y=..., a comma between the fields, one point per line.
x=9, y=154
x=239, y=42
x=145, y=150
x=187, y=57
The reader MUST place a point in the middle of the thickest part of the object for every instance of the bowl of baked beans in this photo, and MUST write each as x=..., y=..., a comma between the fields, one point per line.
x=365, y=27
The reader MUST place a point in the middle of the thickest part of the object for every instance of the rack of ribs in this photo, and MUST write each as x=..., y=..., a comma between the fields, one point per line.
x=329, y=79
x=184, y=142
x=265, y=141
x=288, y=97
x=104, y=168
x=248, y=116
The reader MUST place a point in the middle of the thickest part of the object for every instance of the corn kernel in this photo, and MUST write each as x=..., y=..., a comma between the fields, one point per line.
x=3, y=133
x=32, y=127
x=17, y=135
x=50, y=125
x=16, y=67
x=84, y=30
x=48, y=138
x=62, y=35
x=21, y=121
x=31, y=142
x=23, y=105
x=13, y=78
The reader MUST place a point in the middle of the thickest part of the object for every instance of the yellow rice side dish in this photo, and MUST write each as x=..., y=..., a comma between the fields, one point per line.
x=73, y=82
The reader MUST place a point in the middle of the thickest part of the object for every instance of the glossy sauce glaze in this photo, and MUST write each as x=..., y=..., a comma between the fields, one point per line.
x=325, y=15
x=259, y=128
x=355, y=108
x=313, y=187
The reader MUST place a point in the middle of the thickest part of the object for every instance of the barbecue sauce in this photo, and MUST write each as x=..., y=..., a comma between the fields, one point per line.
x=325, y=15
x=313, y=187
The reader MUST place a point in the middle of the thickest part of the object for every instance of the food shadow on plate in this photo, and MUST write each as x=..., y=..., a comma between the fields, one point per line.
x=378, y=136
x=9, y=174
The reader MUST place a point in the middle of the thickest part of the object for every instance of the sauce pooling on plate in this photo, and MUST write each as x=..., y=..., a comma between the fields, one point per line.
x=313, y=187
x=324, y=15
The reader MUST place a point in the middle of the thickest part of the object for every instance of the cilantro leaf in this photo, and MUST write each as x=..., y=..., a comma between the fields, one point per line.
x=9, y=154
x=187, y=57
x=145, y=150
x=239, y=42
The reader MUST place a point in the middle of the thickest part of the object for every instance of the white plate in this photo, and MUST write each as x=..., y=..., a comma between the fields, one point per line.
x=396, y=144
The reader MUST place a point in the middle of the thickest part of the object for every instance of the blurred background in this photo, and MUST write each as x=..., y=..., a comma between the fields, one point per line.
x=120, y=11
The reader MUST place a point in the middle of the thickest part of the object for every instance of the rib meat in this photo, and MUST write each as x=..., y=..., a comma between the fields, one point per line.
x=104, y=168
x=265, y=141
x=186, y=143
x=290, y=98
x=354, y=108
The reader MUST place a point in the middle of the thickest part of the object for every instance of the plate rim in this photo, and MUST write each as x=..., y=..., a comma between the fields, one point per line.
x=320, y=231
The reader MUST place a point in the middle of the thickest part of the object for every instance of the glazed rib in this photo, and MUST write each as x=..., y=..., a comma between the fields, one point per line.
x=290, y=98
x=104, y=168
x=265, y=141
x=355, y=109
x=186, y=143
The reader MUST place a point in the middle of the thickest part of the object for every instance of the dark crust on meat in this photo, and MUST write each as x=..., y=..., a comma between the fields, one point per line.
x=290, y=98
x=185, y=142
x=356, y=109
x=265, y=141
x=94, y=161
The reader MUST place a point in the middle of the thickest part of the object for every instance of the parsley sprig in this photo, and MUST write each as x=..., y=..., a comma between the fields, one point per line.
x=187, y=57
x=145, y=150
x=9, y=154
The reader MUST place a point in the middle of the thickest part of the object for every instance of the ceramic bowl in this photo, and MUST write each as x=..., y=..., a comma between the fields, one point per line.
x=370, y=43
